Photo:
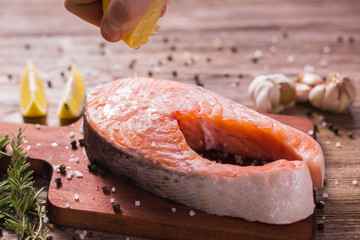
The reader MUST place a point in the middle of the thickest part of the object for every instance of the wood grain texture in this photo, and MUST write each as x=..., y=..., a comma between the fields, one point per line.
x=54, y=39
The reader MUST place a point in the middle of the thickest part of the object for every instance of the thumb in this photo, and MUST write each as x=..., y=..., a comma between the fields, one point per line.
x=121, y=18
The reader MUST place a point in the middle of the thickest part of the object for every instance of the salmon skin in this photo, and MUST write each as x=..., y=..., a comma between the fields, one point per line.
x=148, y=130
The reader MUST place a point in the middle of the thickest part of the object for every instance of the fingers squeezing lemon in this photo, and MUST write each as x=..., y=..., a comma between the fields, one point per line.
x=147, y=27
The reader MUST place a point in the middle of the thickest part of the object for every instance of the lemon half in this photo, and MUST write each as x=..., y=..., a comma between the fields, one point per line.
x=72, y=99
x=32, y=94
x=147, y=26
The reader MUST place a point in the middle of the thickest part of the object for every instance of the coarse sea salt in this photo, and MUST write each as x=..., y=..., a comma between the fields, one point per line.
x=38, y=144
x=338, y=144
x=112, y=200
x=113, y=189
x=28, y=147
x=37, y=126
x=137, y=203
x=311, y=132
x=173, y=209
x=71, y=134
x=290, y=59
x=325, y=195
x=354, y=182
x=54, y=144
x=192, y=213
x=336, y=182
x=76, y=196
x=67, y=205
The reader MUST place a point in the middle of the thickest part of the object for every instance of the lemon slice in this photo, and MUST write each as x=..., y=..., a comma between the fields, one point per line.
x=147, y=26
x=32, y=94
x=73, y=95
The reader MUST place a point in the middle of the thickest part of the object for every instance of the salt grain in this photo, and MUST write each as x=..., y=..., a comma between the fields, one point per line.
x=326, y=50
x=311, y=132
x=113, y=189
x=37, y=126
x=54, y=144
x=25, y=141
x=45, y=219
x=192, y=213
x=309, y=68
x=324, y=124
x=67, y=147
x=67, y=205
x=257, y=54
x=78, y=174
x=327, y=142
x=112, y=200
x=43, y=209
x=28, y=147
x=290, y=59
x=274, y=39
x=71, y=134
x=76, y=196
x=173, y=209
x=325, y=195
x=336, y=182
x=38, y=144
x=338, y=144
x=354, y=182
x=137, y=203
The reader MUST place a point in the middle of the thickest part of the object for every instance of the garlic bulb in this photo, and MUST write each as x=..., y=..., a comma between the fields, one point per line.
x=335, y=95
x=304, y=82
x=271, y=93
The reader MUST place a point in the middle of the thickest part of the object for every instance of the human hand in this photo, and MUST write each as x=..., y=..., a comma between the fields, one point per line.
x=120, y=18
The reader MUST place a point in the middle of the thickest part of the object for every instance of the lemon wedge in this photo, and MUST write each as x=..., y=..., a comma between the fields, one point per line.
x=73, y=95
x=147, y=26
x=32, y=94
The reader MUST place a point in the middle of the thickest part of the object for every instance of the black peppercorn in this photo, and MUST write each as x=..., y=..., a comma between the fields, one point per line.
x=49, y=238
x=73, y=145
x=81, y=142
x=58, y=181
x=62, y=168
x=320, y=226
x=105, y=189
x=320, y=205
x=116, y=207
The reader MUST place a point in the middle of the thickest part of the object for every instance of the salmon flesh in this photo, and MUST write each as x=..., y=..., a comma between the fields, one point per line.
x=150, y=131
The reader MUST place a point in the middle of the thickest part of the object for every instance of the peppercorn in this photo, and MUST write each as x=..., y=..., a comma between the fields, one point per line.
x=172, y=48
x=174, y=73
x=92, y=168
x=102, y=45
x=309, y=113
x=9, y=76
x=81, y=142
x=340, y=39
x=73, y=145
x=27, y=46
x=208, y=59
x=254, y=60
x=320, y=226
x=336, y=131
x=150, y=74
x=49, y=238
x=62, y=168
x=351, y=39
x=165, y=40
x=116, y=207
x=170, y=58
x=233, y=49
x=330, y=126
x=58, y=181
x=196, y=78
x=350, y=135
x=320, y=205
x=105, y=189
x=240, y=75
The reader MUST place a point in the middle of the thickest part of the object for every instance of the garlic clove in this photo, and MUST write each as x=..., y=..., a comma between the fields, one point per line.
x=262, y=101
x=302, y=92
x=331, y=97
x=316, y=95
x=310, y=79
x=287, y=93
x=344, y=103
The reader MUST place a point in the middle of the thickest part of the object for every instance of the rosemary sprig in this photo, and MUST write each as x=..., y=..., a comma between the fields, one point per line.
x=19, y=208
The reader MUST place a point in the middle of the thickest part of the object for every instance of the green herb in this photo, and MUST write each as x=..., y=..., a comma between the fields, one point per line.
x=19, y=208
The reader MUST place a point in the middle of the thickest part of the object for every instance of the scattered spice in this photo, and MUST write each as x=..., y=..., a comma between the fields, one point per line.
x=150, y=74
x=320, y=226
x=58, y=182
x=351, y=39
x=350, y=135
x=81, y=142
x=340, y=39
x=197, y=81
x=320, y=205
x=105, y=189
x=116, y=207
x=73, y=145
x=62, y=168
x=174, y=73
x=27, y=46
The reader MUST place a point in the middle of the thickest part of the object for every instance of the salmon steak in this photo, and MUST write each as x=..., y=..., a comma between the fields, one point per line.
x=150, y=131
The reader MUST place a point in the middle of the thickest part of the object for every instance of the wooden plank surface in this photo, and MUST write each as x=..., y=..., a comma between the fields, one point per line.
x=54, y=39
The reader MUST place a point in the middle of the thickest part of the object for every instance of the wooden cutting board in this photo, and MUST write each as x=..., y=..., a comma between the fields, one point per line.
x=154, y=218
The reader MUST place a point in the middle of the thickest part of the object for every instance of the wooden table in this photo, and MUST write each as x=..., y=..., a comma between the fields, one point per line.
x=213, y=40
